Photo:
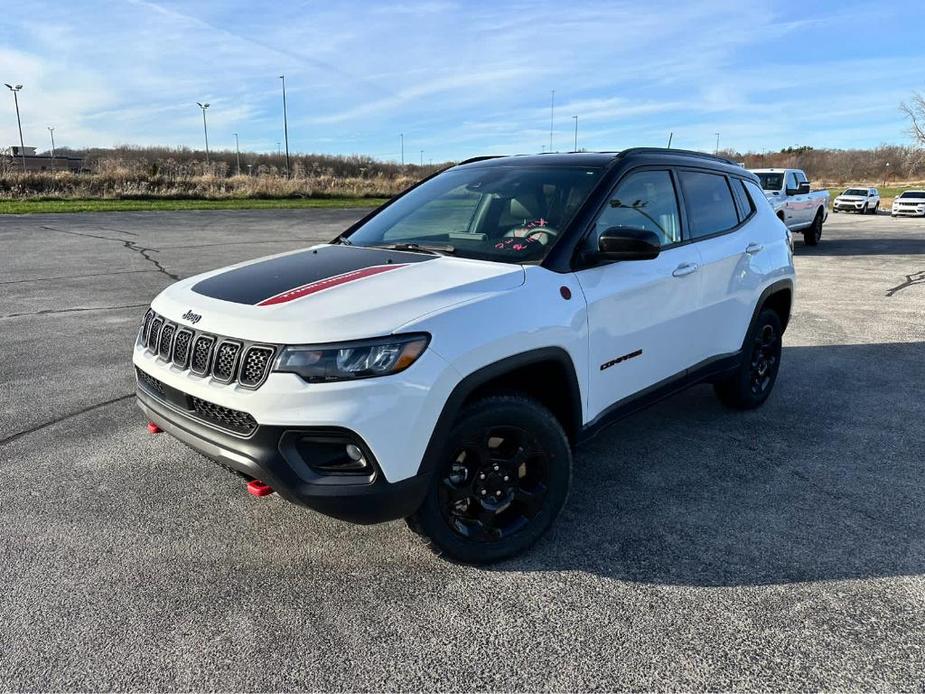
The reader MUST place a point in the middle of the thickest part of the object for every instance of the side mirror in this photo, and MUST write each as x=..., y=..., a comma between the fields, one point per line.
x=803, y=189
x=627, y=243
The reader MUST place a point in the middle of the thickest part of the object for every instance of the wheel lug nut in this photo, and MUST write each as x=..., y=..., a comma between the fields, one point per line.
x=498, y=493
x=496, y=468
x=506, y=478
x=483, y=492
x=482, y=476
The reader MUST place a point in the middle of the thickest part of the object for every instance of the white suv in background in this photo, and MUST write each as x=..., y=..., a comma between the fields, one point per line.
x=910, y=203
x=861, y=200
x=439, y=359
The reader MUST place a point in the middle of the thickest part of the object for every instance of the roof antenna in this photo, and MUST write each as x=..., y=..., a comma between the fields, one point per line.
x=670, y=135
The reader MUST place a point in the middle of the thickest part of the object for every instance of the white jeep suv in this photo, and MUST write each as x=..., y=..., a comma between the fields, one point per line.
x=439, y=360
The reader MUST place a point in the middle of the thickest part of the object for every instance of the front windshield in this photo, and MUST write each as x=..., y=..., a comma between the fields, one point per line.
x=509, y=213
x=912, y=194
x=771, y=181
x=855, y=191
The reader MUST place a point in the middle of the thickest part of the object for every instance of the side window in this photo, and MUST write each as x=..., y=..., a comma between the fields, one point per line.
x=755, y=194
x=644, y=200
x=710, y=208
x=743, y=202
x=792, y=181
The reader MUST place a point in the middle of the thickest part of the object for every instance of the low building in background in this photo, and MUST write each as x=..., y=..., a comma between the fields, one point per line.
x=14, y=155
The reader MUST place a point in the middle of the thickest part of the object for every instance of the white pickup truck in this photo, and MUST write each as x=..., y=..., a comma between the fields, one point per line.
x=799, y=209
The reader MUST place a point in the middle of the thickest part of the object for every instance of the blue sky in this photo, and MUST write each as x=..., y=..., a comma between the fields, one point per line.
x=462, y=78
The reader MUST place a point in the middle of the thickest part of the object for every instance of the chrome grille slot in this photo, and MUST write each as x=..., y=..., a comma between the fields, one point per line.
x=155, y=334
x=202, y=355
x=255, y=365
x=181, y=347
x=146, y=326
x=165, y=343
x=226, y=361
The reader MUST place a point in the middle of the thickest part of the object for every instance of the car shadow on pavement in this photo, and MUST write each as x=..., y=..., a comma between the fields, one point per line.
x=863, y=246
x=825, y=482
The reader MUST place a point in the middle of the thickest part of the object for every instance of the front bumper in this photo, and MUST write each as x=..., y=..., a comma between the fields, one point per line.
x=848, y=206
x=908, y=211
x=270, y=455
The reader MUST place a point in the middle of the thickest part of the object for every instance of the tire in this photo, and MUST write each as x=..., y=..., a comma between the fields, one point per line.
x=863, y=210
x=834, y=210
x=876, y=209
x=752, y=382
x=814, y=232
x=502, y=479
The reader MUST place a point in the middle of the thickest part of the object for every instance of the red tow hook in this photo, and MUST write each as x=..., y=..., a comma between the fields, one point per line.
x=258, y=488
x=154, y=428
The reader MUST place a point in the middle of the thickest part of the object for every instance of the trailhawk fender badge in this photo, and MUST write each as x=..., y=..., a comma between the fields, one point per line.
x=191, y=317
x=620, y=360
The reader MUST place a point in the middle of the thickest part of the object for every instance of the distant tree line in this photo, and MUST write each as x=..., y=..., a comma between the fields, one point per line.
x=882, y=164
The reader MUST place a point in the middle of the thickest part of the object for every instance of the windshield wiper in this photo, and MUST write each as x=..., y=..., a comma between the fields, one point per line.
x=436, y=249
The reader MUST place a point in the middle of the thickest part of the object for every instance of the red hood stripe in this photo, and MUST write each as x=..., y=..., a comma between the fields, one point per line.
x=328, y=283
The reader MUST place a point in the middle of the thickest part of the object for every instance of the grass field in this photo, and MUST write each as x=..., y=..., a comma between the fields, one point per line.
x=29, y=206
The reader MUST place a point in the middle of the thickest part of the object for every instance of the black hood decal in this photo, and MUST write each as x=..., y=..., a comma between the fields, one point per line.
x=282, y=279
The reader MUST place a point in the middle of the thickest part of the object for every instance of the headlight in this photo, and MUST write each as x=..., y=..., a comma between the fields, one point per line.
x=352, y=360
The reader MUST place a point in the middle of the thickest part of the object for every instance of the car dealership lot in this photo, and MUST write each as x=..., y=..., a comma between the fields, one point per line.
x=700, y=548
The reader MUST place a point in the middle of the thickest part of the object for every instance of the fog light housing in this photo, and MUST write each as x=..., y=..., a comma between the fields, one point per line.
x=329, y=452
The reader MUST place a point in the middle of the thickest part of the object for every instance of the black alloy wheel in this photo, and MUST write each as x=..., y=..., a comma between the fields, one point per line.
x=495, y=485
x=500, y=482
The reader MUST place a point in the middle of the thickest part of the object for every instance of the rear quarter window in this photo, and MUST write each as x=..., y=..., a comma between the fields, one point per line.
x=709, y=203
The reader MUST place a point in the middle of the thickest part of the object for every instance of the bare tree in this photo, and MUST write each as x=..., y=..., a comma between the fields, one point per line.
x=915, y=112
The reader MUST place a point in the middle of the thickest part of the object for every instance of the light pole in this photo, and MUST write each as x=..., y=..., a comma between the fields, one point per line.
x=205, y=129
x=285, y=125
x=422, y=157
x=670, y=135
x=552, y=116
x=279, y=149
x=22, y=145
x=576, y=133
x=402, y=137
x=716, y=151
x=237, y=152
x=51, y=130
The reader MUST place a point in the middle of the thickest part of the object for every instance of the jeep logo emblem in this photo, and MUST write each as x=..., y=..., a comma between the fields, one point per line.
x=192, y=317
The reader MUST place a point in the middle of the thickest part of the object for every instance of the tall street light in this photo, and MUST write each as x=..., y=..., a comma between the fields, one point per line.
x=205, y=129
x=716, y=151
x=402, y=137
x=22, y=145
x=576, y=133
x=237, y=152
x=422, y=157
x=552, y=116
x=51, y=130
x=285, y=124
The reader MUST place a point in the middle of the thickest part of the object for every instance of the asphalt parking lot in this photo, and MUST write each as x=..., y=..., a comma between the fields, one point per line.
x=700, y=548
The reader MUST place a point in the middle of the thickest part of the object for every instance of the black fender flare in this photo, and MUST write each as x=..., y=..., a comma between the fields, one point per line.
x=770, y=290
x=478, y=378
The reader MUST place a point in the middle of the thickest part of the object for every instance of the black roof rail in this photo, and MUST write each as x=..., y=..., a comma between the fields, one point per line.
x=481, y=158
x=682, y=152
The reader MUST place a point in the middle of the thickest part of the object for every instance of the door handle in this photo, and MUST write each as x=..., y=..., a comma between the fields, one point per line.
x=754, y=248
x=685, y=269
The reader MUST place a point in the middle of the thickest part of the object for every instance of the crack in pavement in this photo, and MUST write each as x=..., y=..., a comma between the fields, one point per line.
x=75, y=277
x=38, y=427
x=130, y=245
x=47, y=311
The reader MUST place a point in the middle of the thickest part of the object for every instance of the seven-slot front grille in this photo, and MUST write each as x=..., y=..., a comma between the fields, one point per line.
x=207, y=355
